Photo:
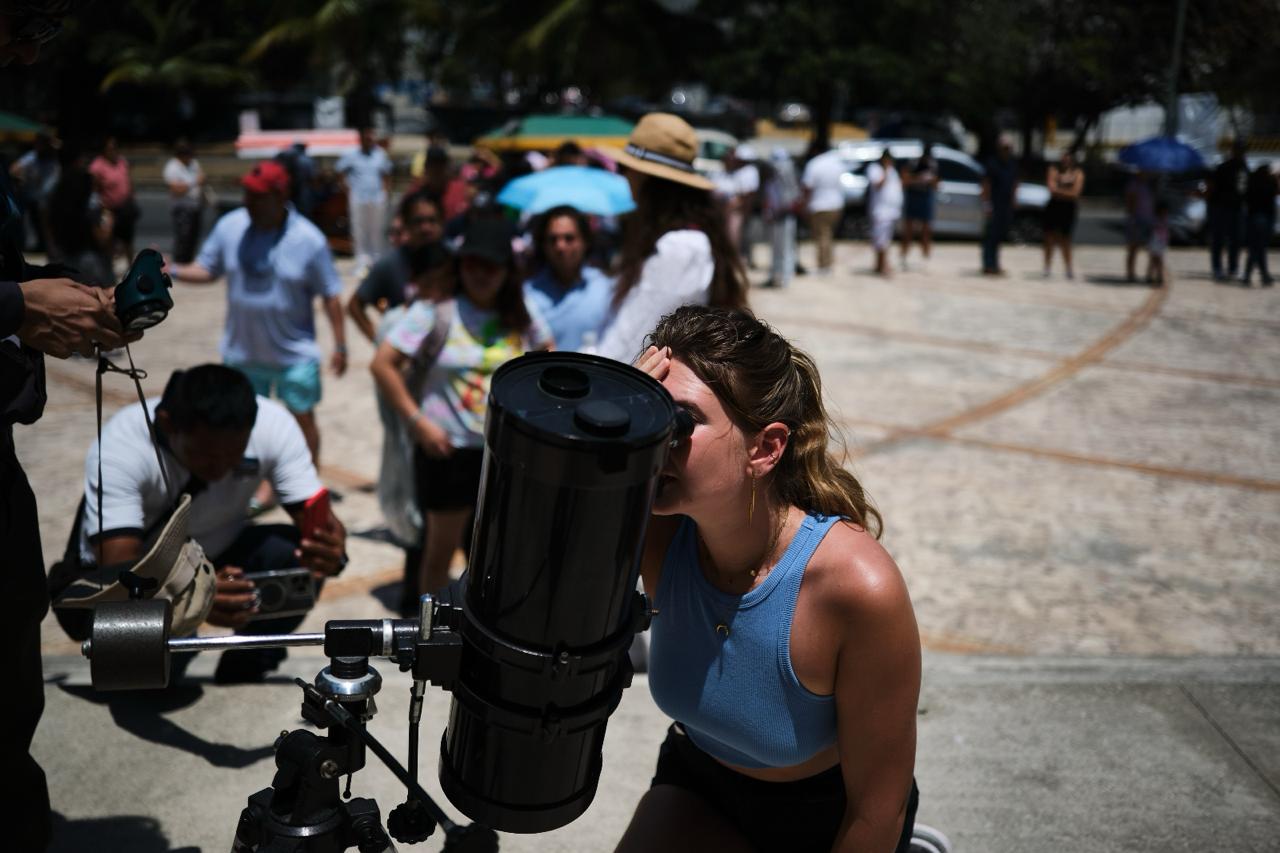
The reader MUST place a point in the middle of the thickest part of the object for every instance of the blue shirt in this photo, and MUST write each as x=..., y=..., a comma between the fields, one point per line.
x=573, y=312
x=272, y=279
x=364, y=173
x=720, y=664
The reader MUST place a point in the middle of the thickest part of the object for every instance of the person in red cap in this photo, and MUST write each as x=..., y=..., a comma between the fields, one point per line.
x=276, y=263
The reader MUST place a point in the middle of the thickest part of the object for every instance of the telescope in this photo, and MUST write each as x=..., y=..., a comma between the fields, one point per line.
x=532, y=643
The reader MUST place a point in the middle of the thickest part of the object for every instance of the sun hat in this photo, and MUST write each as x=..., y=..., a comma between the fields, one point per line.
x=266, y=177
x=664, y=146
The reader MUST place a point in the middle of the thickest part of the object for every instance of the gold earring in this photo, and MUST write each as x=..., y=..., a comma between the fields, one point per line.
x=751, y=510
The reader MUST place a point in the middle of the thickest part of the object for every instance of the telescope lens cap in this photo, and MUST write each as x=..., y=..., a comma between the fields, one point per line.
x=602, y=418
x=567, y=382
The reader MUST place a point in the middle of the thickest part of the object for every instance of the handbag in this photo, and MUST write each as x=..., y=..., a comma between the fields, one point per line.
x=397, y=491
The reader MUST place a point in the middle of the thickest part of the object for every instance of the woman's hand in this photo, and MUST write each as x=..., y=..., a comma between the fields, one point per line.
x=433, y=439
x=655, y=362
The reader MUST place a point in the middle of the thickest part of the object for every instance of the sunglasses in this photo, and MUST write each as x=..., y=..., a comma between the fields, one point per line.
x=29, y=28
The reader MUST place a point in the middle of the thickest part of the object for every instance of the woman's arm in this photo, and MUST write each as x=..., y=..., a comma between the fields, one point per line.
x=387, y=368
x=877, y=690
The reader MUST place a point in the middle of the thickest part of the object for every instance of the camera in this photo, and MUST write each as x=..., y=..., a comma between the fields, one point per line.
x=283, y=592
x=142, y=299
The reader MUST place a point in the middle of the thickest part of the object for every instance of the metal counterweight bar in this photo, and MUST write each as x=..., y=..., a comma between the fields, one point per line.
x=243, y=641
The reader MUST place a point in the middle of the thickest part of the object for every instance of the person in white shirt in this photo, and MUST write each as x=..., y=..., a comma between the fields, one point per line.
x=825, y=203
x=218, y=440
x=186, y=182
x=745, y=185
x=884, y=207
x=366, y=173
x=675, y=250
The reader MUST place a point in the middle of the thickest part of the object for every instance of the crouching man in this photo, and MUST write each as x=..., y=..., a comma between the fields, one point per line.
x=218, y=441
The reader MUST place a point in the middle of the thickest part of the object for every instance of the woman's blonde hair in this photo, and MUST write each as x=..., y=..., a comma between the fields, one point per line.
x=760, y=378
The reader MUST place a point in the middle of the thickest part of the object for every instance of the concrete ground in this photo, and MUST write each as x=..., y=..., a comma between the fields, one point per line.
x=1080, y=480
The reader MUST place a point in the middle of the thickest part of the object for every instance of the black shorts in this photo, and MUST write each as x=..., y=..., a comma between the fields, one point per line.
x=450, y=483
x=1060, y=217
x=804, y=815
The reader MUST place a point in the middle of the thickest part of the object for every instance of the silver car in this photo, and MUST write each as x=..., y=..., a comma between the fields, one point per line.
x=959, y=195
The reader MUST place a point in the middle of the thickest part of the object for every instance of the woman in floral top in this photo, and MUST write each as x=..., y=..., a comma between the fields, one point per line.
x=434, y=368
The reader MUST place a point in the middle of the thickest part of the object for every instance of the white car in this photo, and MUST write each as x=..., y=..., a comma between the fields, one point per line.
x=713, y=147
x=958, y=211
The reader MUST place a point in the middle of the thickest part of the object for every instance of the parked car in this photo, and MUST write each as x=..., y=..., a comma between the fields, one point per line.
x=959, y=198
x=1189, y=213
x=713, y=147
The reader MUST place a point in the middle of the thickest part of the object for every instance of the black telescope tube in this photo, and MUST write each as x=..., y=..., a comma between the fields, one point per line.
x=573, y=448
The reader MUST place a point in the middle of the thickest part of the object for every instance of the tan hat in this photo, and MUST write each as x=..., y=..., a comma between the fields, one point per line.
x=662, y=145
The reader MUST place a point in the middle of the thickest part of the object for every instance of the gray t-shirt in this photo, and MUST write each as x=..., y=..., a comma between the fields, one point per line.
x=388, y=279
x=273, y=279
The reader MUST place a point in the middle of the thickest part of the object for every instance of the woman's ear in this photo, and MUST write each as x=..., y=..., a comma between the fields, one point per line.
x=766, y=451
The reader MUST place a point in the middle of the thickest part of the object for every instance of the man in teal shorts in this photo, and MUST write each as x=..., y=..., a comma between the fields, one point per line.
x=276, y=263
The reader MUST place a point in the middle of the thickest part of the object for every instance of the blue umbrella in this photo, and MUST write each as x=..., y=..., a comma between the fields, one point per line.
x=1162, y=154
x=589, y=190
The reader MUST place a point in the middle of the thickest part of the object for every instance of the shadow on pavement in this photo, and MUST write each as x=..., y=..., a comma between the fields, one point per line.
x=1118, y=281
x=134, y=833
x=141, y=713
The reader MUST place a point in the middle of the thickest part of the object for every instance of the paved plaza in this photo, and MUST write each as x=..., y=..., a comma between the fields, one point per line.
x=1081, y=483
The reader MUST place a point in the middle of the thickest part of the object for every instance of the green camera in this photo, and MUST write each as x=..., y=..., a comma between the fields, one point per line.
x=142, y=299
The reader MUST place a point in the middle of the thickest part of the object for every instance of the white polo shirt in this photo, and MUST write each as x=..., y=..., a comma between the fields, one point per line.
x=135, y=496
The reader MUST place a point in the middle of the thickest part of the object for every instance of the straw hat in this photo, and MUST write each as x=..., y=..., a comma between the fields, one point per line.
x=663, y=145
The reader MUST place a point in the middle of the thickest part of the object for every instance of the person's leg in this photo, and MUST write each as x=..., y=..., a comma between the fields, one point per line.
x=299, y=389
x=676, y=820
x=989, y=258
x=1235, y=232
x=444, y=530
x=1049, y=239
x=926, y=238
x=788, y=270
x=359, y=247
x=777, y=251
x=1216, y=223
x=1066, y=255
x=1268, y=226
x=23, y=606
x=908, y=231
x=823, y=226
x=377, y=228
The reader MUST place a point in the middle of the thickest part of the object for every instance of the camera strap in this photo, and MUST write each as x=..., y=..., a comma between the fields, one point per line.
x=137, y=375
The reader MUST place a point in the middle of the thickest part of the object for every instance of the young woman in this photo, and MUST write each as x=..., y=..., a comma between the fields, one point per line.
x=785, y=645
x=571, y=294
x=434, y=367
x=675, y=250
x=1065, y=181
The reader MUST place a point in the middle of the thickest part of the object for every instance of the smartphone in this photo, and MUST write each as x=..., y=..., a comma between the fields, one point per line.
x=316, y=514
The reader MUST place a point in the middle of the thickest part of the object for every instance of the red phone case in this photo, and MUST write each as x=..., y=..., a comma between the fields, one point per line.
x=315, y=513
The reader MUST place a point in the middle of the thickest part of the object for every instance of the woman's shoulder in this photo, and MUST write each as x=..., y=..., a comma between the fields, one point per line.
x=855, y=575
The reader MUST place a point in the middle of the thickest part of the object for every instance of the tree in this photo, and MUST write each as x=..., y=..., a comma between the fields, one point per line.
x=359, y=42
x=172, y=53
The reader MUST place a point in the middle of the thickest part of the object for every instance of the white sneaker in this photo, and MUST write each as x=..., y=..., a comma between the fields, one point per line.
x=926, y=839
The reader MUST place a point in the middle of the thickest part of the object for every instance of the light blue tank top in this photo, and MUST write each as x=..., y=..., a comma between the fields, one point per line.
x=737, y=696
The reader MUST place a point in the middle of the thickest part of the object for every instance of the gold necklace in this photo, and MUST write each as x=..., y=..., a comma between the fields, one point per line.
x=722, y=626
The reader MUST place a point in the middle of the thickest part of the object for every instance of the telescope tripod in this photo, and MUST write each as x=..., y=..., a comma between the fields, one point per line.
x=303, y=810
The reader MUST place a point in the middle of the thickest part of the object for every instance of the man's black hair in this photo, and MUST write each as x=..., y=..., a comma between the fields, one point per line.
x=415, y=198
x=211, y=395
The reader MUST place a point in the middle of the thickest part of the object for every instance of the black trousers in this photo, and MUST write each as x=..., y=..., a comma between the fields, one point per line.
x=23, y=789
x=186, y=233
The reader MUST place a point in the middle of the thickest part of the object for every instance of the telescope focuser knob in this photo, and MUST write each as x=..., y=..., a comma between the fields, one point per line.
x=411, y=823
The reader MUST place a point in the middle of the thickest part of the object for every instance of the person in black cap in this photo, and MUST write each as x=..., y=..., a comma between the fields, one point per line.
x=41, y=311
x=434, y=367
